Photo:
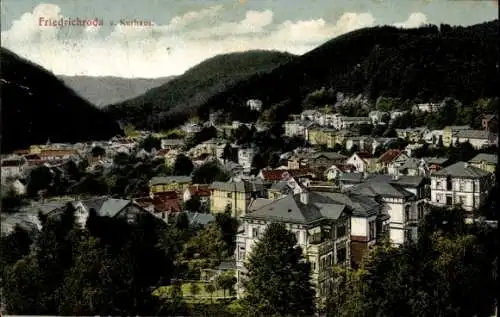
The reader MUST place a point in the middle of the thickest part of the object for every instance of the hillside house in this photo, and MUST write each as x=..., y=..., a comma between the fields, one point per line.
x=377, y=116
x=317, y=135
x=245, y=157
x=362, y=161
x=297, y=128
x=336, y=170
x=161, y=184
x=348, y=122
x=311, y=115
x=390, y=161
x=460, y=184
x=490, y=122
x=234, y=196
x=449, y=131
x=14, y=167
x=486, y=162
x=161, y=205
x=477, y=138
x=434, y=164
x=201, y=192
x=172, y=144
x=254, y=104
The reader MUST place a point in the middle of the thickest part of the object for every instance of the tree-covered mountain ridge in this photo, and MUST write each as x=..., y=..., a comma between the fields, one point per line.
x=427, y=63
x=185, y=94
x=37, y=106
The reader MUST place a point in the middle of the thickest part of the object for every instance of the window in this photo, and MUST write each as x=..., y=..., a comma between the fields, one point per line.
x=297, y=236
x=439, y=197
x=241, y=253
x=407, y=213
x=461, y=200
x=449, y=184
x=229, y=195
x=461, y=186
x=408, y=236
x=341, y=255
x=420, y=211
x=372, y=231
x=341, y=231
x=255, y=232
x=438, y=185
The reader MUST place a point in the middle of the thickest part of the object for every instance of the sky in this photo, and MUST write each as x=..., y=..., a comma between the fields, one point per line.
x=178, y=34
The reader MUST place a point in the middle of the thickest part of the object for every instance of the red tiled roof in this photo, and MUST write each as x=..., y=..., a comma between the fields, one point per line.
x=389, y=156
x=11, y=163
x=162, y=202
x=277, y=175
x=162, y=152
x=58, y=152
x=32, y=157
x=200, y=190
x=364, y=155
x=21, y=152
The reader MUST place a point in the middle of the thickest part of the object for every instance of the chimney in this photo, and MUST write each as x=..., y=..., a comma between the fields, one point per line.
x=304, y=196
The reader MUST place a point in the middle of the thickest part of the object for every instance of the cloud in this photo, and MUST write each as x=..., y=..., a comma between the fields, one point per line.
x=415, y=20
x=169, y=49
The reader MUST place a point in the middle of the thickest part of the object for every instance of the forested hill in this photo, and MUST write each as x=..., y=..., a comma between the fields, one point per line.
x=37, y=106
x=182, y=96
x=430, y=62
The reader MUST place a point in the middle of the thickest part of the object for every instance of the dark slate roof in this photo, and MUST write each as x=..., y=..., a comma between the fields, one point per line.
x=160, y=180
x=461, y=170
x=351, y=177
x=485, y=157
x=321, y=206
x=403, y=180
x=197, y=218
x=240, y=187
x=328, y=155
x=375, y=189
x=435, y=160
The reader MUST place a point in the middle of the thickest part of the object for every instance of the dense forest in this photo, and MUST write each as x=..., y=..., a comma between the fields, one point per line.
x=428, y=63
x=37, y=106
x=182, y=96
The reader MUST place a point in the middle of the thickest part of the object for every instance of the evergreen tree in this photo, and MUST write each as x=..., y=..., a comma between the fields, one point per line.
x=278, y=278
x=183, y=165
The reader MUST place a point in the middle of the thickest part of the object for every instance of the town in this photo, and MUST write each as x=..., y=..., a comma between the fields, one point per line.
x=341, y=184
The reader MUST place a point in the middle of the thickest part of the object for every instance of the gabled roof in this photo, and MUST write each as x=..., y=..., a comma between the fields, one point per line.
x=289, y=209
x=160, y=180
x=389, y=156
x=462, y=170
x=321, y=206
x=435, y=160
x=485, y=157
x=240, y=187
x=472, y=134
x=198, y=218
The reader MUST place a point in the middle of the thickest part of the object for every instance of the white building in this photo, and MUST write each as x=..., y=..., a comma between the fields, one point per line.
x=311, y=115
x=245, y=157
x=254, y=104
x=347, y=122
x=462, y=185
x=13, y=167
x=402, y=200
x=297, y=128
x=477, y=138
x=320, y=224
x=376, y=117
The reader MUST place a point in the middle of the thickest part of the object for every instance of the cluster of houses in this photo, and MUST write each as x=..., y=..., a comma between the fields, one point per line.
x=337, y=205
x=329, y=129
